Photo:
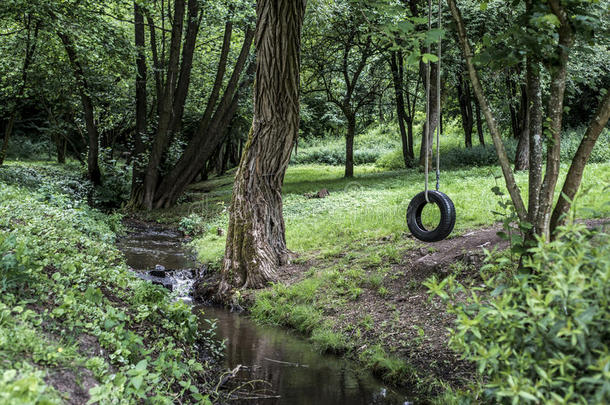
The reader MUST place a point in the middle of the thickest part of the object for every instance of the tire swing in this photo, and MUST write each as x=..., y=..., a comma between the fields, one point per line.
x=441, y=200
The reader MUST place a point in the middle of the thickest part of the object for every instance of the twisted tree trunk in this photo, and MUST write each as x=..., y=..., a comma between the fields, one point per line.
x=256, y=242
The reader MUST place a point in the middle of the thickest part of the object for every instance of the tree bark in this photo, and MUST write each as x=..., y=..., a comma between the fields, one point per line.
x=400, y=105
x=433, y=113
x=141, y=104
x=161, y=140
x=574, y=176
x=349, y=146
x=511, y=184
x=555, y=110
x=256, y=242
x=93, y=168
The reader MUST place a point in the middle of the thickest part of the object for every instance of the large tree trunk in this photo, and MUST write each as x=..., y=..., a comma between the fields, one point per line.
x=349, y=146
x=93, y=168
x=141, y=104
x=432, y=113
x=511, y=184
x=210, y=132
x=256, y=242
x=162, y=136
x=574, y=176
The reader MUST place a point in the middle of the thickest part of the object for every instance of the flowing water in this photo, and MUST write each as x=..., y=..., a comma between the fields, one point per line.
x=294, y=373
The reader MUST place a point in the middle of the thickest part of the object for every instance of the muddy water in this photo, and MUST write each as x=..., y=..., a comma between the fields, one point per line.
x=293, y=371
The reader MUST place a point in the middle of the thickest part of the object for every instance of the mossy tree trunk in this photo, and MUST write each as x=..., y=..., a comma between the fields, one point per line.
x=256, y=242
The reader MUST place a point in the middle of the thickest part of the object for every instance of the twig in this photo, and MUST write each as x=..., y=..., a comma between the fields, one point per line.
x=286, y=362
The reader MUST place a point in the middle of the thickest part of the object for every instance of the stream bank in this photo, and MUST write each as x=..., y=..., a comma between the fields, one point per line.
x=286, y=368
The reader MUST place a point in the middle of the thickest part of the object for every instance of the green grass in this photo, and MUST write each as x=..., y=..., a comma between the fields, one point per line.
x=373, y=205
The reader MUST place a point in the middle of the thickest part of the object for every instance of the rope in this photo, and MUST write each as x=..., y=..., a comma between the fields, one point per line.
x=426, y=135
x=438, y=100
x=438, y=104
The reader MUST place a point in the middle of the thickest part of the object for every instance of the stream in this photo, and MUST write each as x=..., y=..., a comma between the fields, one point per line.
x=295, y=373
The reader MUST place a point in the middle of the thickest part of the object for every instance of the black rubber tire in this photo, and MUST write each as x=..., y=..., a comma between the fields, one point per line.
x=446, y=223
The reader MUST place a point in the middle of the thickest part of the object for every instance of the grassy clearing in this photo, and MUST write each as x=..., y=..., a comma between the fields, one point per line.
x=373, y=205
x=75, y=324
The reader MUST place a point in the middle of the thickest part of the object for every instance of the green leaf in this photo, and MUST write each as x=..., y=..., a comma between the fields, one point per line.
x=137, y=381
x=428, y=57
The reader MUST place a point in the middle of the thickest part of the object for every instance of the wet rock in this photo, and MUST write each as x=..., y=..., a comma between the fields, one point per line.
x=206, y=289
x=157, y=273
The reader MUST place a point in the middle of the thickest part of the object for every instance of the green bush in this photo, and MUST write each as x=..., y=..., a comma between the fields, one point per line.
x=570, y=140
x=541, y=336
x=116, y=183
x=368, y=147
x=393, y=160
x=478, y=156
x=24, y=148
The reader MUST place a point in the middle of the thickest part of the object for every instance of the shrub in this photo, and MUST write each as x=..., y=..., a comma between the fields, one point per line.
x=193, y=225
x=24, y=148
x=571, y=139
x=391, y=161
x=368, y=147
x=541, y=336
x=116, y=183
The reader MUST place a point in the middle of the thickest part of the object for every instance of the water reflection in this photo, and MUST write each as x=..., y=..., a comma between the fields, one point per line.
x=298, y=374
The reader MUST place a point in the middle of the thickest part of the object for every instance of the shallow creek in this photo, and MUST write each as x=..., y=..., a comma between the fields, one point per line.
x=294, y=371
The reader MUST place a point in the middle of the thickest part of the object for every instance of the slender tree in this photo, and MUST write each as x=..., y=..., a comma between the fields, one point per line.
x=93, y=167
x=541, y=189
x=256, y=242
